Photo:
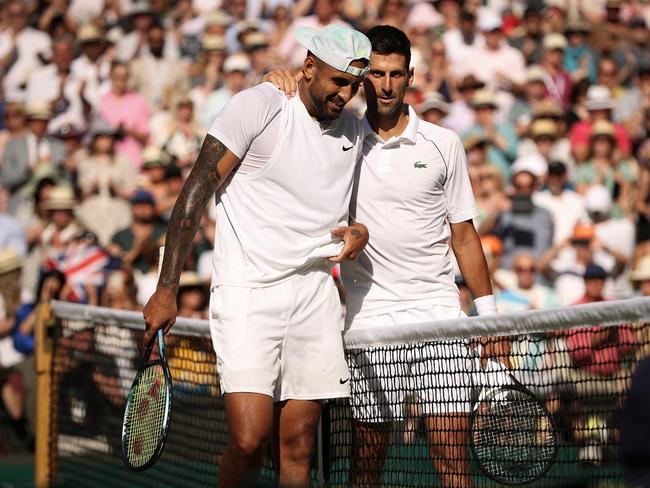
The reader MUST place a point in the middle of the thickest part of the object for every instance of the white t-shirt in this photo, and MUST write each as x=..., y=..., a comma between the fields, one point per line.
x=407, y=190
x=276, y=220
x=566, y=209
x=30, y=43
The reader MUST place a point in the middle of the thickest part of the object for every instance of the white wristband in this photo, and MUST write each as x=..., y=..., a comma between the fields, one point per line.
x=485, y=305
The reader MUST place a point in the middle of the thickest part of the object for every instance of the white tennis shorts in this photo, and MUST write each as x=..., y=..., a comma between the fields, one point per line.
x=434, y=376
x=283, y=340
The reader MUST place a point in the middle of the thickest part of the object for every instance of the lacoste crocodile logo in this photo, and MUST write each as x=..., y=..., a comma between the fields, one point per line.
x=419, y=164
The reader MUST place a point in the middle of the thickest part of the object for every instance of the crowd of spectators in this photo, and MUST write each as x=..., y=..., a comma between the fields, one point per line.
x=105, y=104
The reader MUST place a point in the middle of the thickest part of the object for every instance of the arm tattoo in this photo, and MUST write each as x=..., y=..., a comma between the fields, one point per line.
x=356, y=233
x=201, y=184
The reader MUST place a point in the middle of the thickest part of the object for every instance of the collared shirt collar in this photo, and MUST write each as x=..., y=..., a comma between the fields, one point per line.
x=407, y=137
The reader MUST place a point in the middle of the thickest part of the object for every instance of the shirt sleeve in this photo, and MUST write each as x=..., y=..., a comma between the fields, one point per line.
x=461, y=205
x=245, y=117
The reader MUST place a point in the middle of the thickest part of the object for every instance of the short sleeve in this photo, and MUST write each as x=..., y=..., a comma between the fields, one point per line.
x=461, y=205
x=245, y=116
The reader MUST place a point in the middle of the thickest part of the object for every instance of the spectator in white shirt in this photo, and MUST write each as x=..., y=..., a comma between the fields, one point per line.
x=55, y=85
x=92, y=67
x=22, y=49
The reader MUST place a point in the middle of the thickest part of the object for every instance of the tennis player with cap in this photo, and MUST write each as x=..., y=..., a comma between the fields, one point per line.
x=283, y=171
x=413, y=192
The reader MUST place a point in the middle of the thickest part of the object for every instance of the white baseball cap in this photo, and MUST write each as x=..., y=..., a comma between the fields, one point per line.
x=337, y=46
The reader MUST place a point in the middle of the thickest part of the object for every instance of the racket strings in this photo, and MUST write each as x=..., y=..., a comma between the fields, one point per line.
x=145, y=420
x=513, y=437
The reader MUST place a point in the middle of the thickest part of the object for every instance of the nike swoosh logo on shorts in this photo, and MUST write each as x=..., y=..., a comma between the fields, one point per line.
x=347, y=148
x=342, y=381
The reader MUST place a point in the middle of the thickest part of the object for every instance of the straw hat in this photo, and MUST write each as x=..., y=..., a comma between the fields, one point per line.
x=470, y=82
x=218, y=17
x=603, y=128
x=474, y=140
x=191, y=279
x=642, y=270
x=9, y=261
x=554, y=41
x=61, y=198
x=39, y=111
x=213, y=42
x=543, y=127
x=547, y=108
x=535, y=73
x=153, y=157
x=484, y=98
x=89, y=33
x=256, y=39
x=434, y=101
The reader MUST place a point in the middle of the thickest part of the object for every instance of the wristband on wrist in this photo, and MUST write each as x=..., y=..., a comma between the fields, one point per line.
x=485, y=305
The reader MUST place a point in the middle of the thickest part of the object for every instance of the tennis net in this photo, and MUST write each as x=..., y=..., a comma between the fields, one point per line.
x=406, y=422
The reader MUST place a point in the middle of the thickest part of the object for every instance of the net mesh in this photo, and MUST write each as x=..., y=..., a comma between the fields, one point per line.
x=407, y=421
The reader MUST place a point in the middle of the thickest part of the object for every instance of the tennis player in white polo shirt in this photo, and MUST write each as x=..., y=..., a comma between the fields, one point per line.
x=283, y=172
x=412, y=190
x=413, y=193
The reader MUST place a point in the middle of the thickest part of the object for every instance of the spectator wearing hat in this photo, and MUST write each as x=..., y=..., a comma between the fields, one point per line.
x=566, y=207
x=193, y=296
x=603, y=168
x=436, y=77
x=137, y=245
x=156, y=77
x=140, y=18
x=523, y=226
x=609, y=75
x=154, y=171
x=502, y=137
x=34, y=148
x=61, y=226
x=640, y=276
x=600, y=106
x=236, y=70
x=638, y=42
x=14, y=124
x=21, y=49
x=12, y=235
x=55, y=84
x=461, y=115
x=257, y=46
x=128, y=111
x=565, y=263
x=93, y=66
x=542, y=136
x=557, y=80
x=489, y=192
x=534, y=90
x=120, y=291
x=633, y=110
x=501, y=66
x=434, y=108
x=209, y=67
x=579, y=56
x=615, y=236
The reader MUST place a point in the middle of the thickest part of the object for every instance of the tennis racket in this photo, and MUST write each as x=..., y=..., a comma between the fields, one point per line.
x=148, y=411
x=512, y=434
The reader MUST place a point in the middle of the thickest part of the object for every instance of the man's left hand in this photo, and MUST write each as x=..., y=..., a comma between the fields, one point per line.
x=355, y=237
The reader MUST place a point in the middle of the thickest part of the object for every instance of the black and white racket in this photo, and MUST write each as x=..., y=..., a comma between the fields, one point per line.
x=512, y=434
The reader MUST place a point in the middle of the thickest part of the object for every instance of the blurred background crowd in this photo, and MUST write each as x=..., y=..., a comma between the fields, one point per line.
x=105, y=104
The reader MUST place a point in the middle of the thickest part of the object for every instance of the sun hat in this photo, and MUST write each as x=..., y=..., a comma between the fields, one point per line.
x=336, y=45
x=9, y=260
x=642, y=270
x=61, y=198
x=433, y=100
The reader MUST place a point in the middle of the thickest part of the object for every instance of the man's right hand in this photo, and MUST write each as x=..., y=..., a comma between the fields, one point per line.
x=284, y=80
x=159, y=313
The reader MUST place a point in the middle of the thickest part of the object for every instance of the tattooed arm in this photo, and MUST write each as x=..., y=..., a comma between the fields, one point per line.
x=355, y=237
x=213, y=165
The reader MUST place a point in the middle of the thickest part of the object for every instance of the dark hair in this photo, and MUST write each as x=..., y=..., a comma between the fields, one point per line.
x=386, y=39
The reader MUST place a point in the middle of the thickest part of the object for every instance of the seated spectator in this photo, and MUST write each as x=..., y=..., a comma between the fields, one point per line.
x=523, y=227
x=93, y=66
x=25, y=153
x=61, y=226
x=128, y=112
x=193, y=296
x=434, y=108
x=181, y=135
x=137, y=245
x=54, y=85
x=461, y=115
x=602, y=167
x=209, y=69
x=579, y=57
x=557, y=80
x=120, y=291
x=490, y=195
x=599, y=105
x=534, y=90
x=14, y=124
x=502, y=146
x=564, y=263
x=566, y=206
x=640, y=276
x=522, y=291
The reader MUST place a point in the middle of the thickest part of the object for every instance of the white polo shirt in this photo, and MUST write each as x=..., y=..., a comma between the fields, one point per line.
x=407, y=190
x=275, y=214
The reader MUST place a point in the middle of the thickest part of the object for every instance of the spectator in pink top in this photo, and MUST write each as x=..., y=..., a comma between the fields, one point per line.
x=598, y=350
x=127, y=111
